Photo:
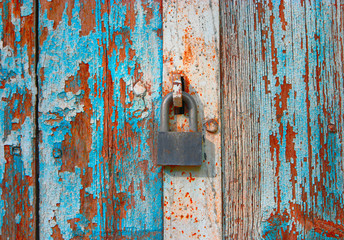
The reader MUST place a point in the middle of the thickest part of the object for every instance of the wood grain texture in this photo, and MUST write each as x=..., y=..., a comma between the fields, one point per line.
x=100, y=75
x=192, y=195
x=17, y=120
x=282, y=102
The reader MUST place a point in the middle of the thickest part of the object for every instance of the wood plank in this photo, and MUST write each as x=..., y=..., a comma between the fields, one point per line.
x=100, y=75
x=282, y=102
x=192, y=195
x=17, y=120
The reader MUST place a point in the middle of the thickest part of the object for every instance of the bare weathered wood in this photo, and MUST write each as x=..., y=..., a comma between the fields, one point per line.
x=17, y=120
x=100, y=74
x=282, y=102
x=192, y=195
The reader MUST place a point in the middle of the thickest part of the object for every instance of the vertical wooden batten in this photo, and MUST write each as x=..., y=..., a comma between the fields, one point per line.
x=17, y=120
x=282, y=103
x=100, y=77
x=192, y=195
x=241, y=165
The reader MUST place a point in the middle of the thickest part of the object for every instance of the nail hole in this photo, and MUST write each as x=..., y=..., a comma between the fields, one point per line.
x=16, y=151
x=57, y=153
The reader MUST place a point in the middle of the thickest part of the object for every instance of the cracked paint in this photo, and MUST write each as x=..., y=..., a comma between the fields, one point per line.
x=282, y=80
x=106, y=183
x=17, y=128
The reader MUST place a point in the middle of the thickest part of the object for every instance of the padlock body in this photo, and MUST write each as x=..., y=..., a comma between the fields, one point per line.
x=180, y=148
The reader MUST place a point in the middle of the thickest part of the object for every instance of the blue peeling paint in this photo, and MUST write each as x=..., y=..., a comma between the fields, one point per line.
x=61, y=55
x=17, y=87
x=305, y=114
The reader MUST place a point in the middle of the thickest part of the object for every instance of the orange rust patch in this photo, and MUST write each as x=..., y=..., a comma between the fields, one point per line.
x=190, y=178
x=312, y=222
x=281, y=101
x=290, y=145
x=54, y=11
x=281, y=14
x=143, y=165
x=8, y=27
x=87, y=17
x=56, y=232
x=273, y=47
x=130, y=19
x=77, y=146
x=148, y=13
x=267, y=82
x=188, y=56
x=291, y=154
x=18, y=107
x=43, y=36
x=15, y=194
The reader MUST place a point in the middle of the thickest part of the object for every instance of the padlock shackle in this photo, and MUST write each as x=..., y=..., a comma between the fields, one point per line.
x=165, y=105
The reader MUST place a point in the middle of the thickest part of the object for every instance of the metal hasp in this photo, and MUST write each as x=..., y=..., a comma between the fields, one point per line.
x=179, y=148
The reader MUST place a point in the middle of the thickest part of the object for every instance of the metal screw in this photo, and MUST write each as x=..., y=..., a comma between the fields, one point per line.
x=212, y=126
x=57, y=153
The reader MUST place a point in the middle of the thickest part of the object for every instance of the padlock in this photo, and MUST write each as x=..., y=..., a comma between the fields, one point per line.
x=179, y=148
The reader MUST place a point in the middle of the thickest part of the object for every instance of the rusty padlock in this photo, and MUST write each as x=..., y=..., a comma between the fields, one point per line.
x=179, y=148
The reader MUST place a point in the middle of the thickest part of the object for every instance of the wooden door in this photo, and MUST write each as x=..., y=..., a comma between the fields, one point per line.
x=282, y=106
x=81, y=84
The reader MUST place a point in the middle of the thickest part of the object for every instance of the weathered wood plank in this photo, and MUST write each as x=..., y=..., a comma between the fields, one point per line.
x=100, y=74
x=282, y=102
x=17, y=120
x=192, y=195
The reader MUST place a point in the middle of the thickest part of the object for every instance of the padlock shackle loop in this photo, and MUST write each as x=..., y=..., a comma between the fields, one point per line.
x=165, y=105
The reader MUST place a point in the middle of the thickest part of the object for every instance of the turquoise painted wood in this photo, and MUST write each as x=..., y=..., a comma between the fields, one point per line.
x=100, y=87
x=17, y=120
x=283, y=93
x=100, y=70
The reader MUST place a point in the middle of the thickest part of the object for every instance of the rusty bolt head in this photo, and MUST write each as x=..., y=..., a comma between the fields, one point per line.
x=212, y=126
x=332, y=128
